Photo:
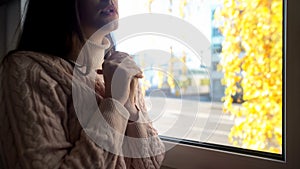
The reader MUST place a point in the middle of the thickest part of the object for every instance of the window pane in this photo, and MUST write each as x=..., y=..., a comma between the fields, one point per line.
x=237, y=94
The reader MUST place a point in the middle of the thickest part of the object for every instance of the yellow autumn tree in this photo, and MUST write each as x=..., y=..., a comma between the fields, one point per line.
x=252, y=57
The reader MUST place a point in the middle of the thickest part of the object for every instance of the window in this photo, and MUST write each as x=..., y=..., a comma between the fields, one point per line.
x=230, y=116
x=179, y=64
x=216, y=48
x=216, y=32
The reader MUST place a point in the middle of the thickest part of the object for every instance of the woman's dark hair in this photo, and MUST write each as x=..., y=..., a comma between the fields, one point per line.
x=49, y=26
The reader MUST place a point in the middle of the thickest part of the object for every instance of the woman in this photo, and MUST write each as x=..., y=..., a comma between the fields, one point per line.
x=40, y=126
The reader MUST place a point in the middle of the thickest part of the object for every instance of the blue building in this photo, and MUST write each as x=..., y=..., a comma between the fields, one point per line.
x=217, y=91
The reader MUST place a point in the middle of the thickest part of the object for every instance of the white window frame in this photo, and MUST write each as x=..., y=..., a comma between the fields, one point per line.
x=184, y=156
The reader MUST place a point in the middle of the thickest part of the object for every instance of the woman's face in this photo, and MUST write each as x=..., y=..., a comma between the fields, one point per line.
x=96, y=13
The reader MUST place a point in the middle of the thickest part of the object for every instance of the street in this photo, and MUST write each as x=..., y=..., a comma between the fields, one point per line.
x=188, y=119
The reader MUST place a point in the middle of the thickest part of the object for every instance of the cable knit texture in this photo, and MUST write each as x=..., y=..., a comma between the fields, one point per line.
x=39, y=128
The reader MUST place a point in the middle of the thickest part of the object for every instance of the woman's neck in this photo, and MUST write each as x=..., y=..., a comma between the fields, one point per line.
x=90, y=54
x=77, y=45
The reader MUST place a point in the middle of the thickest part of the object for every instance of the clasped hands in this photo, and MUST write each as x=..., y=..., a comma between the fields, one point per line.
x=121, y=75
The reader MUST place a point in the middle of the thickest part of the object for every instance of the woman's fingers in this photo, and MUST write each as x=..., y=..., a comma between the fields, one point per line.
x=126, y=70
x=139, y=75
x=125, y=62
x=116, y=55
x=133, y=85
x=121, y=75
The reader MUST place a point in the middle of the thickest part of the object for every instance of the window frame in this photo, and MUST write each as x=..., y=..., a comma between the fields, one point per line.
x=184, y=156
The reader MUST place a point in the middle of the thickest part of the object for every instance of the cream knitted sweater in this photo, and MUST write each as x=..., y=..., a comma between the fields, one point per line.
x=39, y=128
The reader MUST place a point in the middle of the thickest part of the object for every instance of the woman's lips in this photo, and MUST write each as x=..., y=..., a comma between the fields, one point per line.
x=108, y=11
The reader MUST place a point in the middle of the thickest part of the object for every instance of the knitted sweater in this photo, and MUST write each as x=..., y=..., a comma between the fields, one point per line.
x=39, y=128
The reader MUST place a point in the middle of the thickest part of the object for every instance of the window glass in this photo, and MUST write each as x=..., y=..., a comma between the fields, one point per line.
x=237, y=91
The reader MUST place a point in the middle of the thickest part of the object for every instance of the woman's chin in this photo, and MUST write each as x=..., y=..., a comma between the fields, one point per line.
x=110, y=26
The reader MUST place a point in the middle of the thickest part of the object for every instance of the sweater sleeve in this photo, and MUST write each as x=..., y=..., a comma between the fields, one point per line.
x=142, y=143
x=34, y=108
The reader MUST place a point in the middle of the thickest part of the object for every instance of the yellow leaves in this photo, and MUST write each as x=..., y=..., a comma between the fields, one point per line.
x=149, y=5
x=160, y=76
x=182, y=6
x=218, y=15
x=253, y=28
x=254, y=3
x=219, y=67
x=171, y=82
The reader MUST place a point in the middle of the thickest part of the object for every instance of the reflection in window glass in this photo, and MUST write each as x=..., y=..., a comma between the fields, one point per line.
x=239, y=92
